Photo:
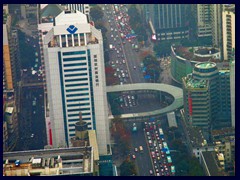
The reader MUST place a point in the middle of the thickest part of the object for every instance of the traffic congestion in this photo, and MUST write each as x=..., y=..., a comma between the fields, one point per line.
x=158, y=149
x=120, y=34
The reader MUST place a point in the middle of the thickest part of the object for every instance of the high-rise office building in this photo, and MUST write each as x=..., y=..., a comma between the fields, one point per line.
x=228, y=30
x=204, y=20
x=170, y=21
x=207, y=97
x=11, y=64
x=232, y=89
x=75, y=76
x=84, y=8
x=216, y=19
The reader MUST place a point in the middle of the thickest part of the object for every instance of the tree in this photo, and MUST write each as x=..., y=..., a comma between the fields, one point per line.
x=152, y=67
x=162, y=48
x=127, y=168
x=96, y=13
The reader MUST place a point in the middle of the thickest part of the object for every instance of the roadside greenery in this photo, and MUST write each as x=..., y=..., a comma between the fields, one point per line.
x=136, y=22
x=127, y=168
x=152, y=67
x=96, y=13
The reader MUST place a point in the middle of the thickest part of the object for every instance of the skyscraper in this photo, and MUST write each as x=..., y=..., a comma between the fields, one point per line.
x=204, y=20
x=84, y=8
x=232, y=88
x=75, y=76
x=207, y=97
x=11, y=64
x=216, y=19
x=228, y=29
x=169, y=20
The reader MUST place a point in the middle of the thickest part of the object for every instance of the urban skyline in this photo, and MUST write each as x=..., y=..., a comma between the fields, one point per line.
x=130, y=83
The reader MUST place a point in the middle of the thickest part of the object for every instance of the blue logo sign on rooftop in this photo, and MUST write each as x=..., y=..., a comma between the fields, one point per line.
x=72, y=29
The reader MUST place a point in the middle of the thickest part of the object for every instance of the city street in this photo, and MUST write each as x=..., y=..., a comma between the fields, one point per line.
x=143, y=161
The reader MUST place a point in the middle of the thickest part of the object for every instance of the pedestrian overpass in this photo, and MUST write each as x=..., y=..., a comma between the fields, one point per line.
x=176, y=92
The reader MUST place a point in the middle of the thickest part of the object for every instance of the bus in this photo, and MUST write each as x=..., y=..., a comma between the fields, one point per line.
x=167, y=152
x=169, y=160
x=141, y=149
x=173, y=169
x=161, y=133
x=165, y=145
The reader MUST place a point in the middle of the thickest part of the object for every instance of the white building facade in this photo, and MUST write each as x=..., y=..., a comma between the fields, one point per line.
x=75, y=76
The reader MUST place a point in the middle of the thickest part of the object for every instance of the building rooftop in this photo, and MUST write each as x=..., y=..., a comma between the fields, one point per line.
x=205, y=65
x=198, y=54
x=228, y=131
x=195, y=83
x=62, y=161
x=50, y=11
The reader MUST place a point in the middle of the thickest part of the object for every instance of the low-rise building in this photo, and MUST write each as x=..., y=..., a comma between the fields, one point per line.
x=10, y=122
x=77, y=161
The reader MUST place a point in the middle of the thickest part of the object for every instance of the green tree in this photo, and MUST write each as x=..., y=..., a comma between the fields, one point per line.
x=96, y=13
x=162, y=48
x=127, y=168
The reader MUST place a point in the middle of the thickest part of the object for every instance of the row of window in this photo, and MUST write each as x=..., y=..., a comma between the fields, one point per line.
x=74, y=95
x=82, y=104
x=73, y=85
x=74, y=59
x=76, y=64
x=78, y=79
x=74, y=90
x=73, y=53
x=78, y=109
x=77, y=115
x=77, y=119
x=76, y=69
x=77, y=100
x=78, y=74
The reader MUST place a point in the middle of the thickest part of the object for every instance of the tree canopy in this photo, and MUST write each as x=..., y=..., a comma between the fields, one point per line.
x=127, y=168
x=96, y=13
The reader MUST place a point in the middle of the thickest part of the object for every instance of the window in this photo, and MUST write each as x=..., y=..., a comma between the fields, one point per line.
x=79, y=74
x=72, y=80
x=76, y=64
x=72, y=85
x=77, y=69
x=73, y=95
x=74, y=90
x=73, y=53
x=74, y=59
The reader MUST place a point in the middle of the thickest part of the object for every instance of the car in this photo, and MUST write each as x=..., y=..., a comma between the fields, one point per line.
x=133, y=156
x=134, y=67
x=158, y=174
x=156, y=170
x=150, y=172
x=124, y=61
x=136, y=149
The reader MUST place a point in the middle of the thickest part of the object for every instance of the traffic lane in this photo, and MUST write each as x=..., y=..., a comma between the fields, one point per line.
x=142, y=161
x=132, y=61
x=38, y=125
